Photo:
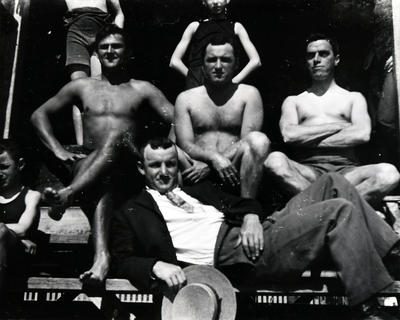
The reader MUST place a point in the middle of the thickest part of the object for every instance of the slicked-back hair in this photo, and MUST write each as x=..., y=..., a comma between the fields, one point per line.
x=12, y=148
x=107, y=30
x=155, y=143
x=321, y=36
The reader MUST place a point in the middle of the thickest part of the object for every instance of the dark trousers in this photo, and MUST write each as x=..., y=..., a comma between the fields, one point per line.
x=327, y=219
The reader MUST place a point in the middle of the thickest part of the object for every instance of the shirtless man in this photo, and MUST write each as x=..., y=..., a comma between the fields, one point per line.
x=218, y=123
x=82, y=21
x=324, y=124
x=108, y=107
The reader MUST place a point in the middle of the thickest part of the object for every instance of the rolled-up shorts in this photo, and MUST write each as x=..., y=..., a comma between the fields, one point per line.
x=82, y=26
x=330, y=163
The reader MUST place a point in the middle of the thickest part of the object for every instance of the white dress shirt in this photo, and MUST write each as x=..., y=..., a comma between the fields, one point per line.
x=193, y=234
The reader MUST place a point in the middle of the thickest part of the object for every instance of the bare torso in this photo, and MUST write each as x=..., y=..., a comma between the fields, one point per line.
x=107, y=110
x=74, y=4
x=334, y=106
x=216, y=127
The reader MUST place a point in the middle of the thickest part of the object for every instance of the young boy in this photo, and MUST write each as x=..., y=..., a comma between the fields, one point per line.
x=19, y=212
x=198, y=34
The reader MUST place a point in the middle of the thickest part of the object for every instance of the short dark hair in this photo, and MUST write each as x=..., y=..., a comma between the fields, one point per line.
x=321, y=36
x=108, y=30
x=155, y=143
x=12, y=148
x=221, y=39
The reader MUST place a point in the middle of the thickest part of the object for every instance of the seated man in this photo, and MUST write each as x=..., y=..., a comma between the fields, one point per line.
x=109, y=107
x=165, y=225
x=218, y=123
x=324, y=124
x=19, y=213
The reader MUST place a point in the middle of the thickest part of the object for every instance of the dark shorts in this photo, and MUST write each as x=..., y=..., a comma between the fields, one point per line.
x=330, y=163
x=82, y=26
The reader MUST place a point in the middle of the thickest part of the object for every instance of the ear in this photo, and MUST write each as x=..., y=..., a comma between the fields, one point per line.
x=140, y=167
x=21, y=164
x=337, y=59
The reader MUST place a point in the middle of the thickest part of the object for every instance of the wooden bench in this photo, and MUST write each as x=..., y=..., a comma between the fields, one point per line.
x=71, y=234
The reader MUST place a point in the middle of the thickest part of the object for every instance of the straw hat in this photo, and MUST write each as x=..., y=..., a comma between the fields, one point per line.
x=208, y=295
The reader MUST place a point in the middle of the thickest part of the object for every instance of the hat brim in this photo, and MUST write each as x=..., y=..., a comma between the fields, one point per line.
x=214, y=279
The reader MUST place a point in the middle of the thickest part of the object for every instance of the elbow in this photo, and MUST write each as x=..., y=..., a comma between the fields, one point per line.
x=257, y=63
x=364, y=137
x=35, y=117
x=172, y=63
x=288, y=138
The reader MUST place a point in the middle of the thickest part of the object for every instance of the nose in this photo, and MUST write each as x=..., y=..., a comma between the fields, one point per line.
x=218, y=64
x=317, y=58
x=163, y=169
x=109, y=49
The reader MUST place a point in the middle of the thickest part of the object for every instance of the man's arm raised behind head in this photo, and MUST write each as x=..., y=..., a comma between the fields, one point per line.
x=359, y=130
x=40, y=119
x=303, y=135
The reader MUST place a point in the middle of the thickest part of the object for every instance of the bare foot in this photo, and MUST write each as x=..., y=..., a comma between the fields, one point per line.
x=59, y=201
x=98, y=272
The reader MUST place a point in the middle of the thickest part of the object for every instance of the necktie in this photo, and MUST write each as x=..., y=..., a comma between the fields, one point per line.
x=179, y=202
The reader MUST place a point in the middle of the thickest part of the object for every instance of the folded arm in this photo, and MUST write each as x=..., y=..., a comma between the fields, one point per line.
x=304, y=135
x=359, y=130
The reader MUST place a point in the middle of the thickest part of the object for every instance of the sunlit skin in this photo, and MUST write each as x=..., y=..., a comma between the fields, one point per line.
x=160, y=168
x=108, y=106
x=327, y=119
x=218, y=124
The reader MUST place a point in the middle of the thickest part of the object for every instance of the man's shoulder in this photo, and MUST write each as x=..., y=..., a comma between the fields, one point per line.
x=247, y=89
x=193, y=93
x=347, y=93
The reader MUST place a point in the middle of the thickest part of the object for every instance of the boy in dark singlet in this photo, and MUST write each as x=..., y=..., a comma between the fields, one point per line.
x=19, y=212
x=198, y=35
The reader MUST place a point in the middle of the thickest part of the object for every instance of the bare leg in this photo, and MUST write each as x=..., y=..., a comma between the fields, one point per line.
x=100, y=229
x=90, y=169
x=374, y=181
x=249, y=155
x=76, y=113
x=293, y=176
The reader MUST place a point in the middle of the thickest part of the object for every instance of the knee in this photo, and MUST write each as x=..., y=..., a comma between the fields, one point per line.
x=258, y=143
x=276, y=163
x=387, y=175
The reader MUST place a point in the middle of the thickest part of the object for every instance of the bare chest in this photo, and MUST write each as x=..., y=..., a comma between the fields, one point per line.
x=207, y=116
x=319, y=108
x=113, y=101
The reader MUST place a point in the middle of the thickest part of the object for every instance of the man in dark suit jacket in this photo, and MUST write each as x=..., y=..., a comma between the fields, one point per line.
x=163, y=226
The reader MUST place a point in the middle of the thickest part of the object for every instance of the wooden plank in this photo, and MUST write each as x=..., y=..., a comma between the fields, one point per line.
x=73, y=223
x=74, y=284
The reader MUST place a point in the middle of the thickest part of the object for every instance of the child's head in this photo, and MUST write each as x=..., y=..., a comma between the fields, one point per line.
x=216, y=7
x=11, y=164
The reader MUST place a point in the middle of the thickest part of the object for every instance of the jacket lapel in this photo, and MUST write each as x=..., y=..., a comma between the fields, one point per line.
x=145, y=200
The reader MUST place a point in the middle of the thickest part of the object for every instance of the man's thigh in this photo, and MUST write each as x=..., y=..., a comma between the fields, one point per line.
x=306, y=171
